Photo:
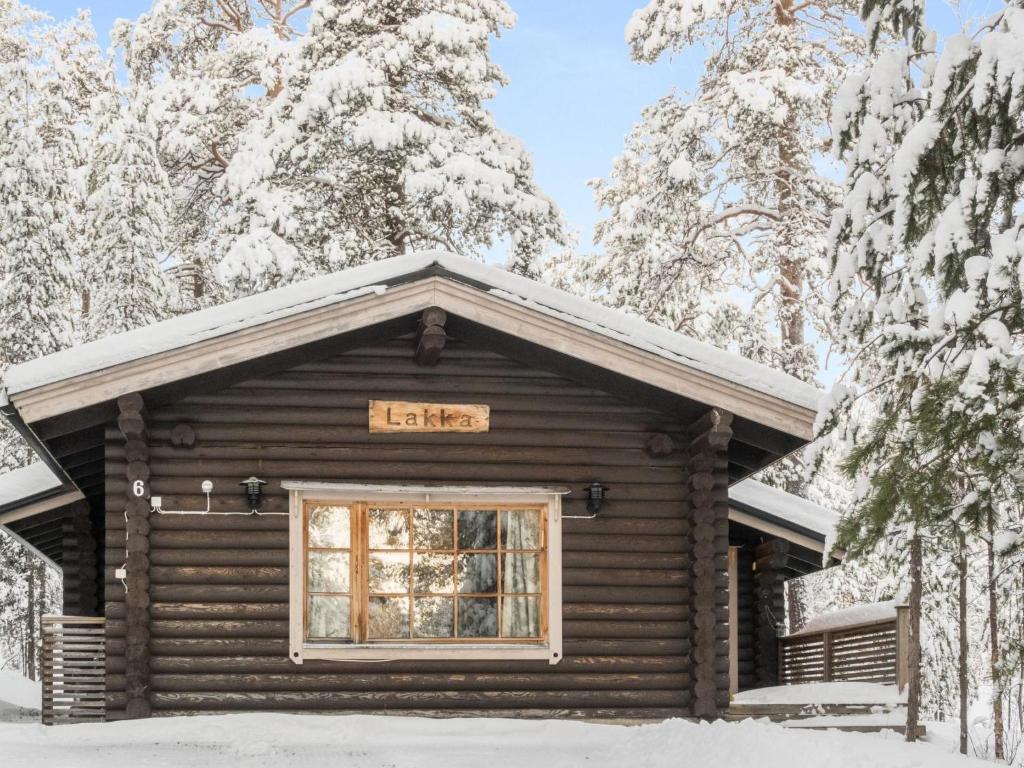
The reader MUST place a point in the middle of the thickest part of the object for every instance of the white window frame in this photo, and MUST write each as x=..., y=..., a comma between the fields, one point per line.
x=301, y=491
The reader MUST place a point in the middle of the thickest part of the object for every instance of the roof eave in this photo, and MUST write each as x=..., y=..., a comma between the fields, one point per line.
x=421, y=290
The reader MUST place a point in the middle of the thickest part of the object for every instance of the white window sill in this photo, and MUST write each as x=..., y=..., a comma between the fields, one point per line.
x=396, y=651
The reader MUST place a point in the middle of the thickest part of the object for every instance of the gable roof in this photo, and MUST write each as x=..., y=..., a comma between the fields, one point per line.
x=777, y=507
x=101, y=370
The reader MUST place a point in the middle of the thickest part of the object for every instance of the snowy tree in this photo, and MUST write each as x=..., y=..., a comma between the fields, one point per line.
x=126, y=221
x=29, y=588
x=379, y=142
x=204, y=70
x=362, y=135
x=37, y=283
x=719, y=193
x=926, y=272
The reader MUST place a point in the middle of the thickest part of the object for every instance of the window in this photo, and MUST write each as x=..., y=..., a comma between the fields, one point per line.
x=424, y=574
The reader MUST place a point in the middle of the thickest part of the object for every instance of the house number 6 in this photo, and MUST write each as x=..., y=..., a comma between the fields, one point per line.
x=139, y=488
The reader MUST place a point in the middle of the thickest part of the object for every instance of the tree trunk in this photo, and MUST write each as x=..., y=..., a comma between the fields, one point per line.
x=962, y=671
x=993, y=630
x=791, y=273
x=32, y=598
x=914, y=644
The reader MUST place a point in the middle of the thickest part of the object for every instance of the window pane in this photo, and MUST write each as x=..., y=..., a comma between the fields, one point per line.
x=389, y=528
x=478, y=617
x=520, y=616
x=389, y=618
x=328, y=571
x=432, y=528
x=329, y=527
x=478, y=573
x=329, y=616
x=433, y=573
x=478, y=529
x=520, y=529
x=389, y=571
x=520, y=572
x=434, y=617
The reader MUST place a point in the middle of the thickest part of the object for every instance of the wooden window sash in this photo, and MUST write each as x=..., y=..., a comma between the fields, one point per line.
x=359, y=571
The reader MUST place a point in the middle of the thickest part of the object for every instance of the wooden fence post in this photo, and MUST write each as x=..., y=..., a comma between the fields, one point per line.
x=902, y=646
x=826, y=666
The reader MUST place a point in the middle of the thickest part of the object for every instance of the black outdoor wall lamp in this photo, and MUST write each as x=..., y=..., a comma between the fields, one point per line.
x=253, y=491
x=595, y=497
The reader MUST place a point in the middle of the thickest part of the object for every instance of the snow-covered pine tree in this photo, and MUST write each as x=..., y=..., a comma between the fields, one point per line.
x=928, y=244
x=126, y=221
x=37, y=285
x=203, y=71
x=926, y=269
x=380, y=142
x=720, y=192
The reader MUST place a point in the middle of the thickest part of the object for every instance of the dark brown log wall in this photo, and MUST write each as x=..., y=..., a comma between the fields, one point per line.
x=746, y=631
x=218, y=586
x=78, y=562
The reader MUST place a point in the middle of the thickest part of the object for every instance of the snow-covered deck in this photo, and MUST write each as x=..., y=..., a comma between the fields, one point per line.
x=823, y=693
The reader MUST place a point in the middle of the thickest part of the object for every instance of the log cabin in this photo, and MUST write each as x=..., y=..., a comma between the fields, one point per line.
x=423, y=485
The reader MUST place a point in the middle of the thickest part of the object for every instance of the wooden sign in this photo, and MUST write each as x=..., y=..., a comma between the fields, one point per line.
x=398, y=416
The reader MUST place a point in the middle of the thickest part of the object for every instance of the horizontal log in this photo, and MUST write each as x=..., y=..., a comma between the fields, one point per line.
x=281, y=664
x=163, y=539
x=623, y=594
x=218, y=575
x=399, y=386
x=563, y=404
x=654, y=544
x=549, y=713
x=633, y=490
x=254, y=628
x=626, y=560
x=624, y=611
x=223, y=470
x=625, y=629
x=316, y=700
x=214, y=557
x=249, y=593
x=207, y=610
x=372, y=683
x=363, y=451
x=312, y=433
x=618, y=577
x=240, y=412
x=278, y=646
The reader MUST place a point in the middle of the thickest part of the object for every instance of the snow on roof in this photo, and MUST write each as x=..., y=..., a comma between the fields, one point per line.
x=27, y=482
x=790, y=509
x=375, y=278
x=863, y=613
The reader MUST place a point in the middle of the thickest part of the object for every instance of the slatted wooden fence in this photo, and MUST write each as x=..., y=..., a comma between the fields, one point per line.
x=74, y=657
x=874, y=652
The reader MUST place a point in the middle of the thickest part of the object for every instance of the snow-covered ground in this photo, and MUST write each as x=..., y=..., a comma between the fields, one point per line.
x=359, y=741
x=19, y=696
